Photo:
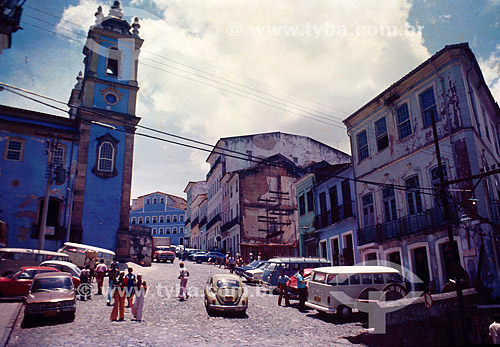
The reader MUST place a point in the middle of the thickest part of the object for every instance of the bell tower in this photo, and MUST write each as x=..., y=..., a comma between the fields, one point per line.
x=104, y=102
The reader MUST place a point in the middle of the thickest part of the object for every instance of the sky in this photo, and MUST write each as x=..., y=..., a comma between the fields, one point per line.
x=212, y=69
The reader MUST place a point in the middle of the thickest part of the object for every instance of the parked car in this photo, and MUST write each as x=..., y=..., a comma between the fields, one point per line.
x=63, y=266
x=19, y=283
x=210, y=256
x=253, y=265
x=293, y=292
x=192, y=255
x=78, y=253
x=255, y=275
x=226, y=293
x=51, y=294
x=163, y=253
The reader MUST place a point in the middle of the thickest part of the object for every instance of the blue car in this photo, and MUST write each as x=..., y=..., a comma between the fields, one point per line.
x=210, y=256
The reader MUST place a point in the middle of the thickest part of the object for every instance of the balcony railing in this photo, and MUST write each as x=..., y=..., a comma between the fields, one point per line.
x=335, y=215
x=213, y=221
x=187, y=221
x=420, y=223
x=229, y=225
x=203, y=222
x=195, y=222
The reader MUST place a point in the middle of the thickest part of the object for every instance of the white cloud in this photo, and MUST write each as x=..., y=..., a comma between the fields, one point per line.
x=327, y=62
x=491, y=71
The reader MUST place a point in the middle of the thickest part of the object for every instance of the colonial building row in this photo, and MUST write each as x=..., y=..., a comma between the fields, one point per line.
x=382, y=204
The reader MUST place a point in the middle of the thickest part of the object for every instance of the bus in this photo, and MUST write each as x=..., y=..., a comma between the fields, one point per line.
x=290, y=265
x=354, y=281
x=11, y=259
x=77, y=253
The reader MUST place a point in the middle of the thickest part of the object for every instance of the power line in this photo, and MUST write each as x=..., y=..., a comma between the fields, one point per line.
x=202, y=62
x=244, y=155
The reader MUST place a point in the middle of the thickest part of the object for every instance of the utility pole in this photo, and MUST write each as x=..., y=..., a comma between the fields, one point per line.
x=442, y=192
x=52, y=147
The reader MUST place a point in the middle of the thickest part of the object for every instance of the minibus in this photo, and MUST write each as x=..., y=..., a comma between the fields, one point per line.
x=77, y=251
x=273, y=268
x=354, y=281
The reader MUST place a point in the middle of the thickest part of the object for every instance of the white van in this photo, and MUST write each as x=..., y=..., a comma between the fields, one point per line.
x=11, y=259
x=76, y=253
x=354, y=281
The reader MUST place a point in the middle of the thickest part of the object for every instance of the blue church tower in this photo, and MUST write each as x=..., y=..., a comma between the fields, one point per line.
x=103, y=103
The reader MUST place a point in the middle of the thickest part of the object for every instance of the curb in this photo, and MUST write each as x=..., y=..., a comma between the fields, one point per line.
x=11, y=322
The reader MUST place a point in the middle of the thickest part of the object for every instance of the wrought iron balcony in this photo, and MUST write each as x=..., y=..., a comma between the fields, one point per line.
x=213, y=221
x=335, y=215
x=229, y=225
x=195, y=222
x=428, y=222
x=203, y=222
x=187, y=221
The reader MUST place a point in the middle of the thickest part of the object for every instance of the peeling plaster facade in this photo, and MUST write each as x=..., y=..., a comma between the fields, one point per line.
x=409, y=224
x=299, y=150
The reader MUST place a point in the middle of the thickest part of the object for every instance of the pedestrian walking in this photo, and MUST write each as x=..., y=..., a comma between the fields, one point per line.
x=119, y=297
x=301, y=286
x=183, y=276
x=495, y=330
x=130, y=283
x=100, y=274
x=282, y=284
x=140, y=291
x=231, y=264
x=259, y=257
x=250, y=257
x=85, y=293
x=113, y=274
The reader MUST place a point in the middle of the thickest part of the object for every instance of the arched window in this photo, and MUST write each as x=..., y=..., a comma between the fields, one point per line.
x=106, y=152
x=106, y=156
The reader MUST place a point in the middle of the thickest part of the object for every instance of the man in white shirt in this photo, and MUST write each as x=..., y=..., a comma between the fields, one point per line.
x=495, y=330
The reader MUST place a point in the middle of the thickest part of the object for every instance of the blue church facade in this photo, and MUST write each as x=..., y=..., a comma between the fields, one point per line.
x=164, y=214
x=94, y=148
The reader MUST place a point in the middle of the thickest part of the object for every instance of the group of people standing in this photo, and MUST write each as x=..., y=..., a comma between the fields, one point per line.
x=283, y=281
x=127, y=288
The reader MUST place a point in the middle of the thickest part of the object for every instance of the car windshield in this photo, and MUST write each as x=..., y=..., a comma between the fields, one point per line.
x=228, y=283
x=52, y=284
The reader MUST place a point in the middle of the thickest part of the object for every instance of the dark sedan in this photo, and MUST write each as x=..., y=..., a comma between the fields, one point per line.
x=210, y=256
x=253, y=265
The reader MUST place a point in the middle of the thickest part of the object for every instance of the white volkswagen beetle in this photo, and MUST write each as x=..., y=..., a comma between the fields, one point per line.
x=226, y=293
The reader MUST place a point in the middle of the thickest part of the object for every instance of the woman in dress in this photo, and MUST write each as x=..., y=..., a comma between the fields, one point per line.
x=119, y=296
x=140, y=292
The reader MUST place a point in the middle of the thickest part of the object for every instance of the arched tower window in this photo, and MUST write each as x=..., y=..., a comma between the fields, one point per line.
x=114, y=58
x=106, y=155
x=106, y=152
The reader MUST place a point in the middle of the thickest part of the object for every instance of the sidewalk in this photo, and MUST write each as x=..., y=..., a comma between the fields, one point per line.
x=10, y=311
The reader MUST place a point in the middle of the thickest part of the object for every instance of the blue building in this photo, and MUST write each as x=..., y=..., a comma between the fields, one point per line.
x=335, y=221
x=163, y=213
x=90, y=152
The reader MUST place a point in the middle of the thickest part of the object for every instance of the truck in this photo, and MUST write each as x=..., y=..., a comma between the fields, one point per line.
x=162, y=249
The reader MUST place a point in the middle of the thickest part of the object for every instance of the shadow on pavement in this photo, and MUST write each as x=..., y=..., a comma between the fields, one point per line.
x=41, y=321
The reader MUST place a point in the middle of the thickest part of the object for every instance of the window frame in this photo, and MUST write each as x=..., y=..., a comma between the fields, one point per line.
x=400, y=124
x=423, y=111
x=7, y=150
x=364, y=148
x=382, y=138
x=114, y=144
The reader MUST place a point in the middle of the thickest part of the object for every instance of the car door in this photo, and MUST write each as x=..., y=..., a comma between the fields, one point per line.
x=20, y=284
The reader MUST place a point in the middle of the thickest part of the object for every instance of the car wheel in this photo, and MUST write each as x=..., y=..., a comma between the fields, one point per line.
x=344, y=312
x=209, y=311
x=275, y=291
x=198, y=261
x=71, y=316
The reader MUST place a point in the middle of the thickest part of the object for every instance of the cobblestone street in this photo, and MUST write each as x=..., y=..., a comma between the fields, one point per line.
x=168, y=321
